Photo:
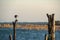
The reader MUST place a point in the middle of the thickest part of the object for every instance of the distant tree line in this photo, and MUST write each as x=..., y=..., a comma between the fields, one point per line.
x=57, y=22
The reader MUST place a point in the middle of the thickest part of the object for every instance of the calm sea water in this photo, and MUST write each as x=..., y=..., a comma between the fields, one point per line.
x=24, y=34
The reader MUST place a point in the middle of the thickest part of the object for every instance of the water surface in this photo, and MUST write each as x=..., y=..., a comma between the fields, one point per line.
x=25, y=34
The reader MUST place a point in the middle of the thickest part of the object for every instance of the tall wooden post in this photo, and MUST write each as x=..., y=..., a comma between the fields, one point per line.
x=51, y=27
x=14, y=29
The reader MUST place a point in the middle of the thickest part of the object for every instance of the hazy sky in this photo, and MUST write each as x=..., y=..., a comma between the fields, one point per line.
x=28, y=10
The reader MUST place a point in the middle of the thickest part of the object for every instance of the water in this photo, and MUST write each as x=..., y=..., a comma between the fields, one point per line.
x=24, y=34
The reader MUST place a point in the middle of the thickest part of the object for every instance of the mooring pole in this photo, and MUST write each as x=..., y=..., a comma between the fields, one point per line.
x=14, y=29
x=51, y=27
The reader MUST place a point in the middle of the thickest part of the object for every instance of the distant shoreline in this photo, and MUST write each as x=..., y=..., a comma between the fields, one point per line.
x=33, y=28
x=27, y=25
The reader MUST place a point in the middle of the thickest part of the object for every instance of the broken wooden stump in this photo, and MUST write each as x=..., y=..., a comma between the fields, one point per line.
x=51, y=27
x=46, y=36
x=10, y=37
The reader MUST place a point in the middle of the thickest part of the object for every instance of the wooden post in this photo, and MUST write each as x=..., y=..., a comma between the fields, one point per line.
x=51, y=27
x=14, y=29
x=10, y=37
x=46, y=36
x=14, y=32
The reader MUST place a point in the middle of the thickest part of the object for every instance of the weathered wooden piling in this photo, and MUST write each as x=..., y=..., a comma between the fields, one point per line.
x=10, y=37
x=14, y=31
x=51, y=27
x=46, y=36
x=14, y=28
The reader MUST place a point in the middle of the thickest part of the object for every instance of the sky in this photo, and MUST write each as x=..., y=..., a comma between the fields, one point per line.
x=28, y=10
